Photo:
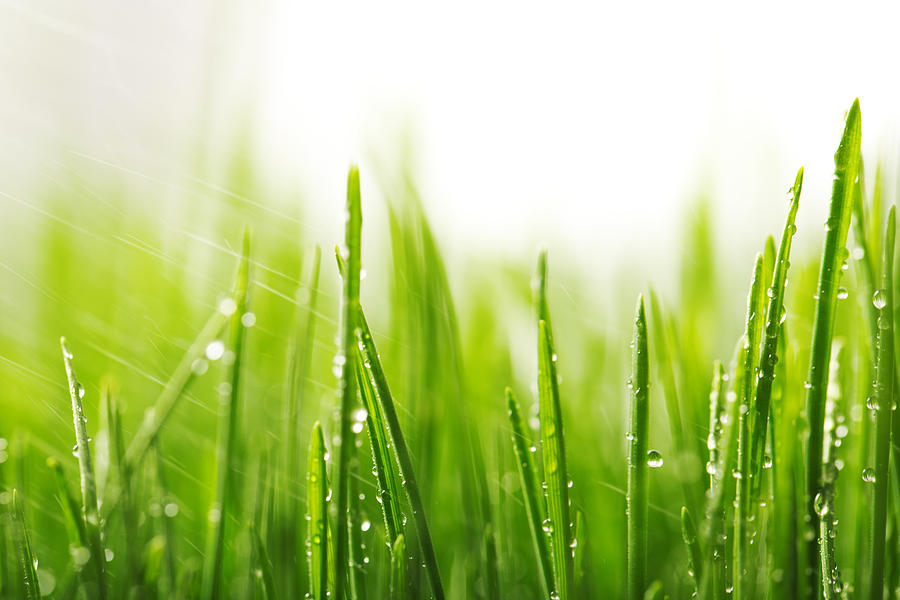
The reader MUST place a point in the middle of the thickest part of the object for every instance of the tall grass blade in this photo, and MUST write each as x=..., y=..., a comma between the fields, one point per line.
x=399, y=576
x=349, y=309
x=90, y=505
x=834, y=253
x=692, y=543
x=317, y=507
x=832, y=585
x=391, y=425
x=22, y=542
x=775, y=314
x=556, y=475
x=226, y=444
x=636, y=501
x=884, y=401
x=535, y=505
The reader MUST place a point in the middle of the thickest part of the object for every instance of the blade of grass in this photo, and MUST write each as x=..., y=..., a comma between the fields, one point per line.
x=846, y=164
x=399, y=577
x=156, y=416
x=636, y=501
x=391, y=424
x=556, y=475
x=535, y=505
x=832, y=585
x=27, y=563
x=689, y=535
x=884, y=397
x=229, y=414
x=90, y=505
x=775, y=314
x=317, y=505
x=347, y=389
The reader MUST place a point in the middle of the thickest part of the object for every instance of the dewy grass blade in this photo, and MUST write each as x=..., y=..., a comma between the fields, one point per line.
x=229, y=415
x=846, y=164
x=391, y=425
x=90, y=506
x=317, y=507
x=399, y=577
x=692, y=543
x=742, y=573
x=716, y=427
x=832, y=585
x=347, y=388
x=556, y=475
x=884, y=399
x=535, y=505
x=774, y=318
x=636, y=501
x=24, y=555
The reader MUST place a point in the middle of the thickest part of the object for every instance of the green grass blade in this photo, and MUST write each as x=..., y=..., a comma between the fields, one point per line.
x=716, y=426
x=399, y=575
x=184, y=373
x=71, y=510
x=636, y=501
x=90, y=505
x=884, y=398
x=834, y=253
x=350, y=308
x=535, y=505
x=226, y=444
x=317, y=507
x=774, y=317
x=264, y=564
x=692, y=543
x=27, y=565
x=391, y=424
x=556, y=475
x=832, y=585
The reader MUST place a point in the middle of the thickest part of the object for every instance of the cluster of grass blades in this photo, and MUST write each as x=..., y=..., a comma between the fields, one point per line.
x=470, y=504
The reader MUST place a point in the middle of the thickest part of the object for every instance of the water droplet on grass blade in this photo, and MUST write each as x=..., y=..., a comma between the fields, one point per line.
x=215, y=350
x=879, y=299
x=654, y=459
x=842, y=293
x=868, y=475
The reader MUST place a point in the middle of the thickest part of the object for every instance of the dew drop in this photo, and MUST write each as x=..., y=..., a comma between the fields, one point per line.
x=215, y=350
x=842, y=293
x=868, y=475
x=654, y=459
x=879, y=299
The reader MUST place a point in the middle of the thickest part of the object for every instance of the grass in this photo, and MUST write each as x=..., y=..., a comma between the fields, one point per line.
x=410, y=469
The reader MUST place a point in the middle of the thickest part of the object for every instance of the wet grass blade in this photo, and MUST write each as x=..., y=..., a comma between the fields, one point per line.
x=399, y=576
x=636, y=501
x=27, y=563
x=832, y=585
x=90, y=506
x=556, y=475
x=692, y=543
x=317, y=507
x=535, y=505
x=775, y=314
x=834, y=253
x=884, y=398
x=391, y=425
x=347, y=389
x=226, y=444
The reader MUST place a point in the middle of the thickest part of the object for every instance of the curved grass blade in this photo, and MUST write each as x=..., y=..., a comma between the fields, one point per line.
x=399, y=576
x=391, y=425
x=884, y=398
x=834, y=253
x=229, y=414
x=27, y=568
x=317, y=503
x=71, y=511
x=535, y=505
x=636, y=501
x=90, y=505
x=774, y=318
x=347, y=389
